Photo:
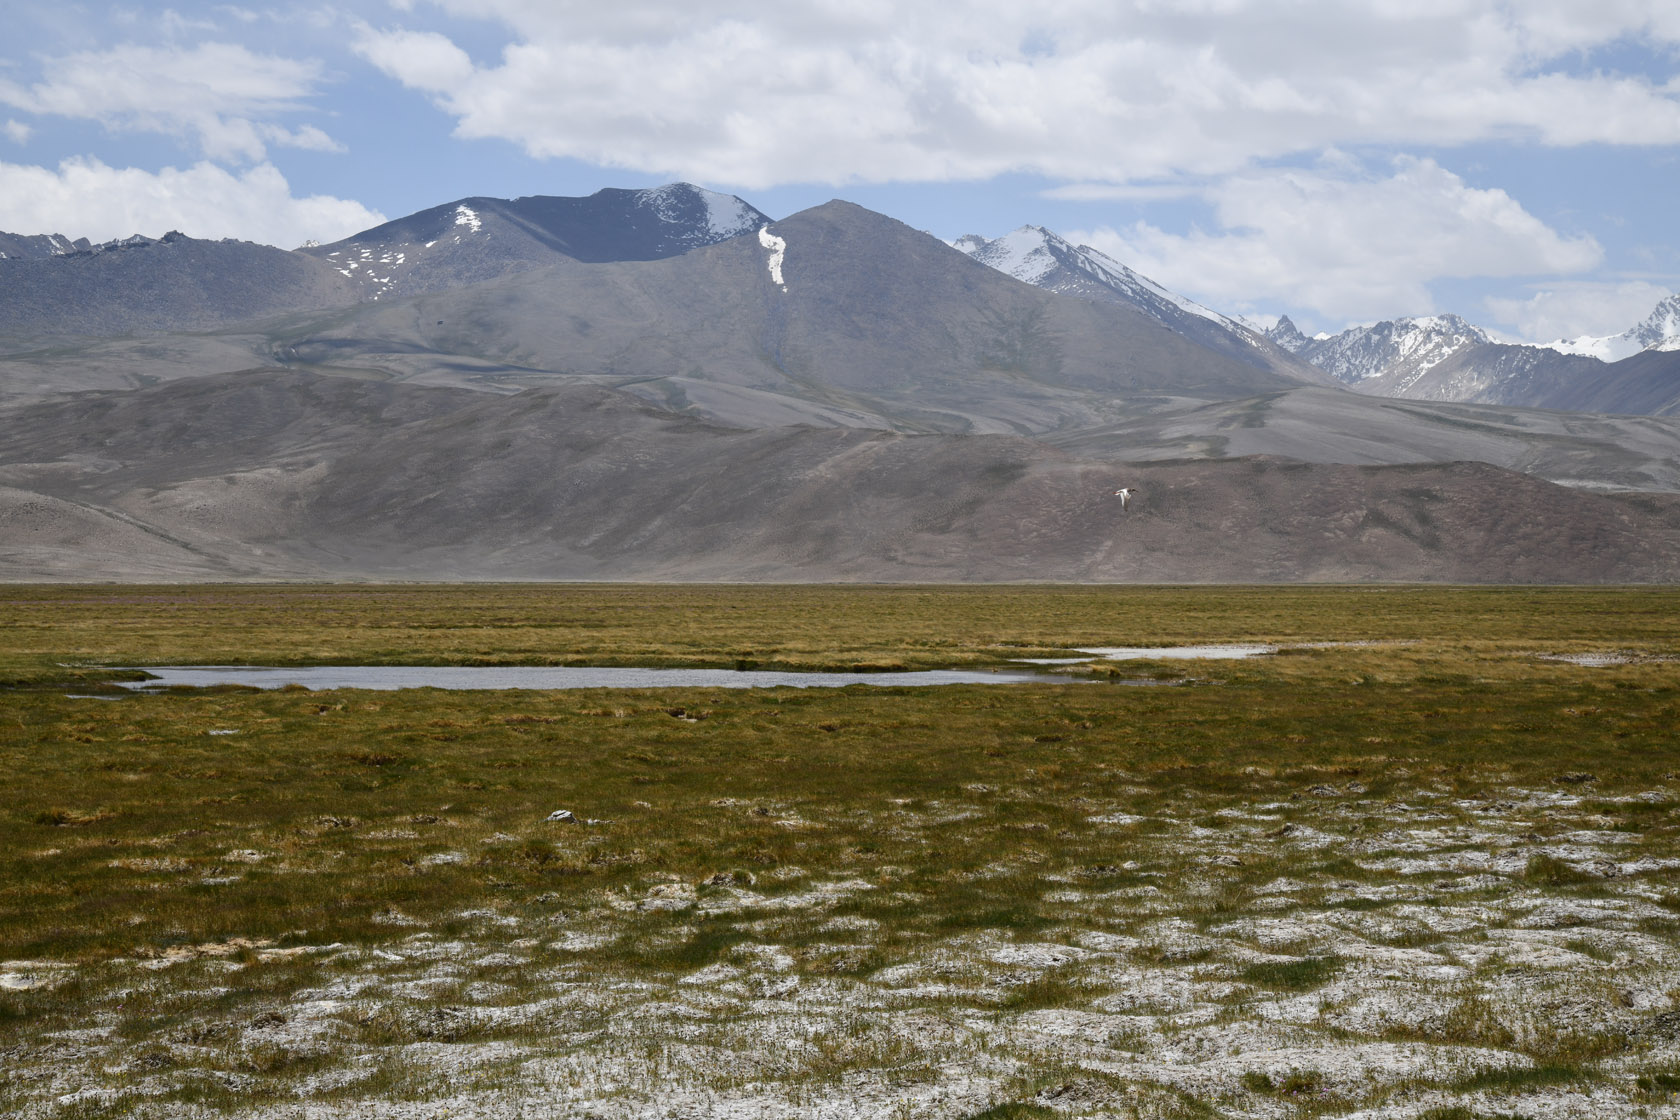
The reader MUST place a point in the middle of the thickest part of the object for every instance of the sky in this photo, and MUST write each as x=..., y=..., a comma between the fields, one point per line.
x=1339, y=161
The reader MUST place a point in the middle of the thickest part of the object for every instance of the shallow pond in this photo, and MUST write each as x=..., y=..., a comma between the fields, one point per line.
x=1177, y=653
x=388, y=677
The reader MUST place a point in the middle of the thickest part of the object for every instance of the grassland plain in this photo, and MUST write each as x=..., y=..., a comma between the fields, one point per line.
x=1429, y=875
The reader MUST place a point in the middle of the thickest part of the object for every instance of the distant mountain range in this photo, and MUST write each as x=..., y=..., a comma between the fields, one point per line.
x=52, y=287
x=1444, y=358
x=1395, y=353
x=1439, y=357
x=668, y=383
x=1659, y=331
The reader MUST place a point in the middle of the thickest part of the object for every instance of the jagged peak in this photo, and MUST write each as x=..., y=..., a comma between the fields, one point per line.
x=1286, y=334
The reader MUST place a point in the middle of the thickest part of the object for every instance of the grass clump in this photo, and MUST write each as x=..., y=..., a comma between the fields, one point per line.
x=1662, y=1086
x=1549, y=871
x=1048, y=989
x=1293, y=976
x=1543, y=1076
x=1295, y=1083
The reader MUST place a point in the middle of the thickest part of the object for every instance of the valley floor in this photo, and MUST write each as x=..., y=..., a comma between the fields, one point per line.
x=1427, y=876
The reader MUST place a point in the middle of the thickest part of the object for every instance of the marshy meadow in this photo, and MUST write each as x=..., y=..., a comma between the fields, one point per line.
x=1422, y=862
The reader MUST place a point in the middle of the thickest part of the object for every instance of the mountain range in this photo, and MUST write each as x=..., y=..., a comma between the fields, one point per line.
x=1438, y=357
x=669, y=384
x=1444, y=358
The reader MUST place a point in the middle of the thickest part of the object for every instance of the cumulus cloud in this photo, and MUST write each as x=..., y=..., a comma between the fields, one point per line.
x=17, y=132
x=86, y=198
x=1570, y=311
x=756, y=95
x=222, y=97
x=426, y=60
x=1347, y=244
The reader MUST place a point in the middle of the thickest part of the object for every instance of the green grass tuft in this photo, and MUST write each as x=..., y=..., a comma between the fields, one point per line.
x=1293, y=976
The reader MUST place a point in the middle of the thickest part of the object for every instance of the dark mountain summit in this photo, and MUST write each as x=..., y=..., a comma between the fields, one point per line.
x=476, y=239
x=53, y=287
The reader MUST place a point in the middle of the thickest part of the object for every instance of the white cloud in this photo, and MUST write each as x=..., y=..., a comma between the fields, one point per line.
x=1348, y=245
x=307, y=137
x=85, y=198
x=425, y=59
x=1094, y=91
x=17, y=132
x=221, y=96
x=1569, y=311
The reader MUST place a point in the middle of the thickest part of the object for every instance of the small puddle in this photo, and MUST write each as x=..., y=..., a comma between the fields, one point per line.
x=1589, y=660
x=390, y=677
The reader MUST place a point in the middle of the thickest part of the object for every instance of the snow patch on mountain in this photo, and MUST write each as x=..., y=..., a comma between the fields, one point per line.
x=726, y=215
x=1260, y=324
x=778, y=249
x=467, y=216
x=1609, y=348
x=1024, y=253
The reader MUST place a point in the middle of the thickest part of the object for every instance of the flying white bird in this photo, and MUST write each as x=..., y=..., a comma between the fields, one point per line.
x=1124, y=494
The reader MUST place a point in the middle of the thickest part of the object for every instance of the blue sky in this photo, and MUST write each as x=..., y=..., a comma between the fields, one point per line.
x=1333, y=160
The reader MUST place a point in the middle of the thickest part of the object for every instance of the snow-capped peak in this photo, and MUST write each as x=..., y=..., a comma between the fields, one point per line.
x=1034, y=254
x=1659, y=331
x=1106, y=268
x=1286, y=334
x=1024, y=253
x=1402, y=350
x=1422, y=330
x=1662, y=327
